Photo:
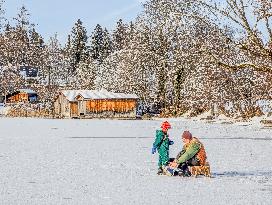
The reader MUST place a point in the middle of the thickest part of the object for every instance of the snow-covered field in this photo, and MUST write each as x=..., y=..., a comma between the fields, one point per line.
x=109, y=162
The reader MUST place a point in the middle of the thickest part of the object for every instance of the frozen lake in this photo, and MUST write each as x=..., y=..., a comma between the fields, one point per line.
x=47, y=161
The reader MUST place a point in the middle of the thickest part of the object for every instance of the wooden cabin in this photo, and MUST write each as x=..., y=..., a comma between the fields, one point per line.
x=95, y=104
x=22, y=95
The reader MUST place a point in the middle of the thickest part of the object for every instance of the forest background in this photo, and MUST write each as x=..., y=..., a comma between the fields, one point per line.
x=178, y=56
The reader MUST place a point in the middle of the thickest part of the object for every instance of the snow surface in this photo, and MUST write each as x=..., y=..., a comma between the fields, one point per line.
x=45, y=161
x=4, y=110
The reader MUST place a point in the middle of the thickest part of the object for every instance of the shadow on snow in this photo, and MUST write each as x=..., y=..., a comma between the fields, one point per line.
x=242, y=174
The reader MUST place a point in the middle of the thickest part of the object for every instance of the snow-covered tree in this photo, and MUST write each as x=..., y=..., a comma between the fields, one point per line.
x=101, y=45
x=52, y=73
x=10, y=79
x=119, y=36
x=36, y=46
x=177, y=55
x=85, y=75
x=107, y=44
x=2, y=13
x=78, y=50
x=252, y=19
x=97, y=42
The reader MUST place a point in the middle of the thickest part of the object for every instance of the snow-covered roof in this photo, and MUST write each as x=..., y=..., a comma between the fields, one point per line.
x=96, y=94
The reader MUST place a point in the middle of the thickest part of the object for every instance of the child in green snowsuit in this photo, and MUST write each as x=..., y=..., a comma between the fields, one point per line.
x=161, y=144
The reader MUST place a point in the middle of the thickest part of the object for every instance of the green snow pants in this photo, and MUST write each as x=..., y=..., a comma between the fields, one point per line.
x=163, y=158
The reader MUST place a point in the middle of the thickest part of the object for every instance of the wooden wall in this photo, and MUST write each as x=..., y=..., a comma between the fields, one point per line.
x=62, y=107
x=20, y=97
x=115, y=105
x=74, y=108
x=119, y=108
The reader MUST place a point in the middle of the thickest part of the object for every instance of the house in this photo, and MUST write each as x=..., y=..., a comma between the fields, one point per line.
x=28, y=72
x=22, y=95
x=95, y=104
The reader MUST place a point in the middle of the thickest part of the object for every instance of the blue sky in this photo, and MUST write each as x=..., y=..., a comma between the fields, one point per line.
x=59, y=16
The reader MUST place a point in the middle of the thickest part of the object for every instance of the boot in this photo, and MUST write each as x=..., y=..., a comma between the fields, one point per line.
x=187, y=173
x=183, y=173
x=160, y=171
x=184, y=170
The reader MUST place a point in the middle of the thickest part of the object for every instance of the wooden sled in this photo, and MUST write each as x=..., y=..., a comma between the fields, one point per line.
x=201, y=170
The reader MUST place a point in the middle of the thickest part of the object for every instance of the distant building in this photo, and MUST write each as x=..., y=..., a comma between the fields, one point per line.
x=95, y=104
x=22, y=95
x=29, y=72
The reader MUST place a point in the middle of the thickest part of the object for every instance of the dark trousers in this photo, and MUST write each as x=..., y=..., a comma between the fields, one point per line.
x=184, y=166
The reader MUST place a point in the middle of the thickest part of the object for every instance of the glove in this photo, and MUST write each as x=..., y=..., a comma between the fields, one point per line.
x=173, y=164
x=153, y=151
x=171, y=142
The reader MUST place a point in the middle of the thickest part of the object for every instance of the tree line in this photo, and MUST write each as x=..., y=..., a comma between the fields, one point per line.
x=177, y=56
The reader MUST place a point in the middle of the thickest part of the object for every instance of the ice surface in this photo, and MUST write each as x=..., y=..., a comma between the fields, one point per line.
x=46, y=161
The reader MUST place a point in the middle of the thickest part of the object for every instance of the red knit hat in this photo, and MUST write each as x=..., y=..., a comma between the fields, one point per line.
x=187, y=135
x=165, y=126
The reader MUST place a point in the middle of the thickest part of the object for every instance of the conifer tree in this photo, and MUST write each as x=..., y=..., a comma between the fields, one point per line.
x=67, y=55
x=119, y=36
x=101, y=44
x=107, y=44
x=78, y=50
x=37, y=48
x=130, y=33
x=22, y=41
x=97, y=43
